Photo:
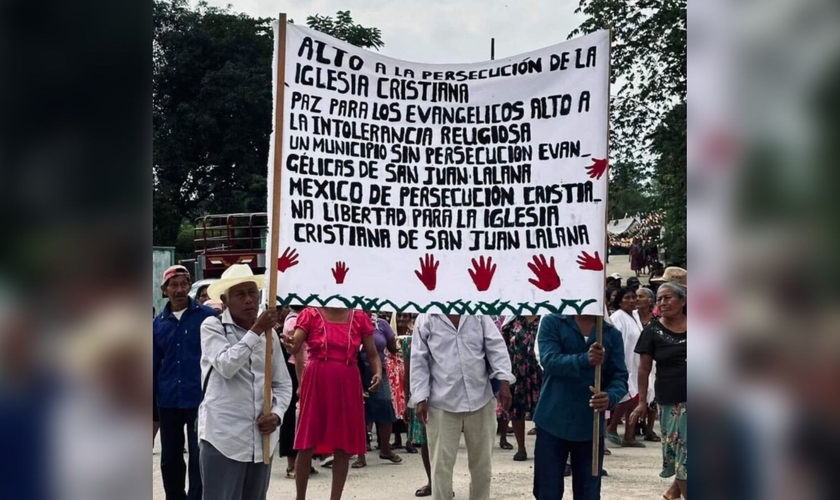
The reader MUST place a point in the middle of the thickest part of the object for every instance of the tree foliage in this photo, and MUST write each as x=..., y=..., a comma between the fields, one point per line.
x=212, y=104
x=627, y=194
x=342, y=27
x=211, y=113
x=649, y=79
x=669, y=148
x=648, y=65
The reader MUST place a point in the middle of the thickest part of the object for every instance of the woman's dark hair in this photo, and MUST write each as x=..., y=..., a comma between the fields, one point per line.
x=619, y=296
x=200, y=289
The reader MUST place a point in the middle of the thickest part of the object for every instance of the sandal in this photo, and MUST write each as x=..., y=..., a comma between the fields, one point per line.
x=607, y=451
x=425, y=491
x=520, y=456
x=411, y=450
x=532, y=432
x=654, y=439
x=393, y=458
x=505, y=445
x=290, y=472
x=313, y=471
x=359, y=464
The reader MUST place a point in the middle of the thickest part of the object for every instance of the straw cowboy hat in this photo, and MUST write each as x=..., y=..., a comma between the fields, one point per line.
x=234, y=275
x=114, y=331
x=677, y=275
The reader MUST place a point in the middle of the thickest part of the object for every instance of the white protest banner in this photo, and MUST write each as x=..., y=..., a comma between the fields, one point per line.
x=456, y=188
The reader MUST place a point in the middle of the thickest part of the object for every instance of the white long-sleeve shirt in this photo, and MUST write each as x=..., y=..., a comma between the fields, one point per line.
x=448, y=366
x=631, y=329
x=227, y=417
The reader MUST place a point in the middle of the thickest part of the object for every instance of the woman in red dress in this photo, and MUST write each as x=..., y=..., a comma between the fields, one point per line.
x=332, y=414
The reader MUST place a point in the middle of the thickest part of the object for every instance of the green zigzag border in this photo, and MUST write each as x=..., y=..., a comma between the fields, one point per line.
x=497, y=307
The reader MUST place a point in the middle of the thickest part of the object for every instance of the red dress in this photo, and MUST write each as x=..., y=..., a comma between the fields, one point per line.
x=332, y=411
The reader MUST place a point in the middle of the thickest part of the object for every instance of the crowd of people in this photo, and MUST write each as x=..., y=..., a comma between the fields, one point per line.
x=338, y=374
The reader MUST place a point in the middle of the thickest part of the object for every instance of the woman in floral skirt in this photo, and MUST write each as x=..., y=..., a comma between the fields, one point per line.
x=520, y=333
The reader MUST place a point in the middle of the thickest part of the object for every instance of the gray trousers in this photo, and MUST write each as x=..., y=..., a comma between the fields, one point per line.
x=226, y=479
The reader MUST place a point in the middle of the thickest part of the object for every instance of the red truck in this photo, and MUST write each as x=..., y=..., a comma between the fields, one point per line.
x=225, y=239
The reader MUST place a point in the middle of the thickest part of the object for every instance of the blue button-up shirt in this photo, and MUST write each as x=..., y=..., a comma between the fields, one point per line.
x=562, y=351
x=177, y=356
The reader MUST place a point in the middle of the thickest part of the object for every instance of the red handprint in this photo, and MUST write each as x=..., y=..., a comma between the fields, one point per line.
x=597, y=169
x=340, y=272
x=590, y=263
x=547, y=277
x=428, y=271
x=483, y=272
x=288, y=260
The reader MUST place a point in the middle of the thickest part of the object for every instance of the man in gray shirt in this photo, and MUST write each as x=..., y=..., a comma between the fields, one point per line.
x=453, y=359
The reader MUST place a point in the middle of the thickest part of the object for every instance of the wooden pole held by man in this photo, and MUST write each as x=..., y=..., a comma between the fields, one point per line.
x=599, y=326
x=279, y=107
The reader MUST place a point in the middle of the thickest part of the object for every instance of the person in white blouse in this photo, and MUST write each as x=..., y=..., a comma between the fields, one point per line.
x=230, y=420
x=628, y=324
x=453, y=359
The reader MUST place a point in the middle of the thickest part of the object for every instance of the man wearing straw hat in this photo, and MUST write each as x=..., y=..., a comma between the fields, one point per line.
x=673, y=274
x=177, y=381
x=230, y=420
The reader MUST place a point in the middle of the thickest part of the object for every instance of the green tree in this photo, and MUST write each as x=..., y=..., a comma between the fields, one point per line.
x=627, y=193
x=669, y=148
x=648, y=66
x=649, y=81
x=342, y=27
x=212, y=106
x=211, y=113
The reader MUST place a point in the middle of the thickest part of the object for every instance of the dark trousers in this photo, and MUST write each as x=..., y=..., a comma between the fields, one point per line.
x=550, y=455
x=289, y=425
x=172, y=466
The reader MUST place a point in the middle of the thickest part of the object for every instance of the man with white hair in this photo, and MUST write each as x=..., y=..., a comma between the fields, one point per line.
x=230, y=420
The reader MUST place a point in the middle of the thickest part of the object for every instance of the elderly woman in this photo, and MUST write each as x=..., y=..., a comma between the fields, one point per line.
x=664, y=341
x=628, y=324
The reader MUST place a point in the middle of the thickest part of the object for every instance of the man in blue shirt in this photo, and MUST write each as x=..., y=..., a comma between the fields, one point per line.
x=564, y=413
x=177, y=381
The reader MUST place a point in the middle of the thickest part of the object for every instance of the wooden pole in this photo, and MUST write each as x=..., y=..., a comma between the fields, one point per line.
x=596, y=417
x=279, y=107
x=599, y=326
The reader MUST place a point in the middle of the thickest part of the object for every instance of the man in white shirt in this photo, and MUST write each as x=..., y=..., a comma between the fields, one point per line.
x=230, y=420
x=453, y=359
